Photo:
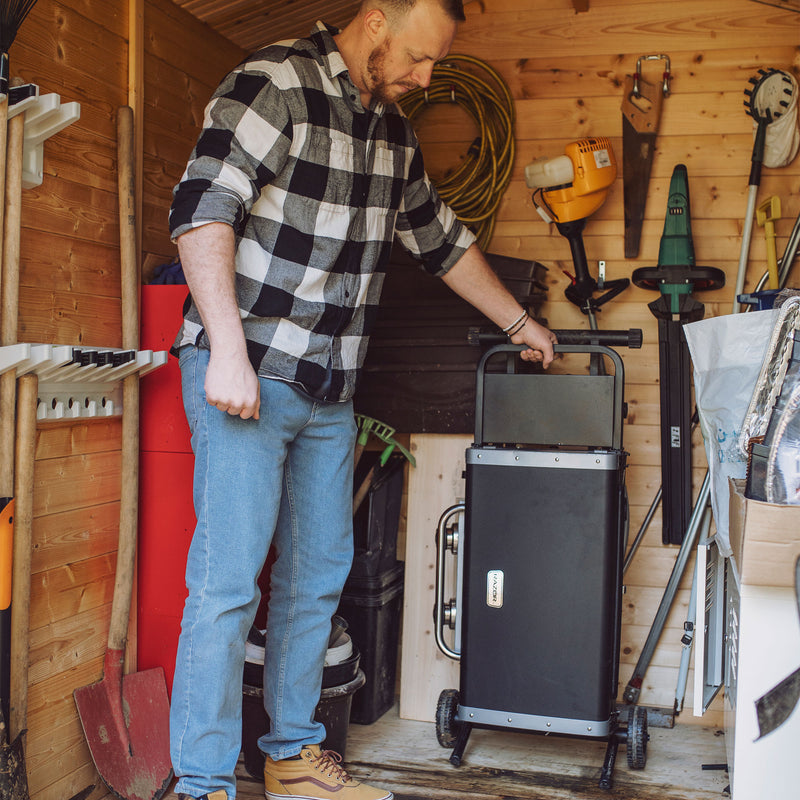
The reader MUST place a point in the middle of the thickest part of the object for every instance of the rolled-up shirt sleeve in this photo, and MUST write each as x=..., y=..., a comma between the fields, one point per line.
x=426, y=226
x=245, y=141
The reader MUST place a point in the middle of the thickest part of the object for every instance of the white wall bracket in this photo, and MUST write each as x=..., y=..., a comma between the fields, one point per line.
x=45, y=116
x=78, y=381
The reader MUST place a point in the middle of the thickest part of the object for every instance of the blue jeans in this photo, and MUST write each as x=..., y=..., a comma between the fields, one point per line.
x=286, y=479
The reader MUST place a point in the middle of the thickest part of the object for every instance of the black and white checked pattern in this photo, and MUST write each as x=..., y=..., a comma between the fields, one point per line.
x=316, y=188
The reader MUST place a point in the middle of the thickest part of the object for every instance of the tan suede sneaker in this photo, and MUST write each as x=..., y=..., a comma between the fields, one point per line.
x=316, y=775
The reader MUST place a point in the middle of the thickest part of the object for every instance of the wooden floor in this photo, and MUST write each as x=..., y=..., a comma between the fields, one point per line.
x=404, y=756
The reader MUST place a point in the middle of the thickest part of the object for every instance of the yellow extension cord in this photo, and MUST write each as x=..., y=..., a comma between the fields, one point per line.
x=474, y=189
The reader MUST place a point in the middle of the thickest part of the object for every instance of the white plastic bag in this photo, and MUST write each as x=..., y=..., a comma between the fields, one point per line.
x=727, y=353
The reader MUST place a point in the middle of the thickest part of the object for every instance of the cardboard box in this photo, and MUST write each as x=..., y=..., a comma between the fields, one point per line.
x=765, y=539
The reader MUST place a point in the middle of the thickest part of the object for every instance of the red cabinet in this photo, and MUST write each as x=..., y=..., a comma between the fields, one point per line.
x=166, y=512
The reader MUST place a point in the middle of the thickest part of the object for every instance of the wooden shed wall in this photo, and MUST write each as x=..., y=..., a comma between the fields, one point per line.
x=566, y=71
x=70, y=294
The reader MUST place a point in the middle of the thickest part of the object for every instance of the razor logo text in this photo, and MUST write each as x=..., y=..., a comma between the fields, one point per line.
x=494, y=588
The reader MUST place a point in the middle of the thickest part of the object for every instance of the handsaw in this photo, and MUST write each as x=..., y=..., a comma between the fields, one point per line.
x=641, y=114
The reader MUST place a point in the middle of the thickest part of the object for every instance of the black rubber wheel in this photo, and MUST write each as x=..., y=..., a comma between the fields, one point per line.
x=446, y=724
x=637, y=737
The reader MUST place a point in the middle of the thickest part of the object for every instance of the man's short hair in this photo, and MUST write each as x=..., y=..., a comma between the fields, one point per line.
x=395, y=9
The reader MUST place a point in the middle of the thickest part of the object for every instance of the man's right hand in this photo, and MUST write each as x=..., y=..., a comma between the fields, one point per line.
x=232, y=386
x=207, y=255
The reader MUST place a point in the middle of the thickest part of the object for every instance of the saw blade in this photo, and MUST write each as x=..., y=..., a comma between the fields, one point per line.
x=641, y=115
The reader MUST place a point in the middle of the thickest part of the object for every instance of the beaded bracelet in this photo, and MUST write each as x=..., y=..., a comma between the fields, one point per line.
x=517, y=321
x=519, y=325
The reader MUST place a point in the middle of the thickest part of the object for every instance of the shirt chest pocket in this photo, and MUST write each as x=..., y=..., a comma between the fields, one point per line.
x=387, y=177
x=338, y=155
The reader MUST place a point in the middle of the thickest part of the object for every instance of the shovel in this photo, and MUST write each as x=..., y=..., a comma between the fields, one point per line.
x=126, y=718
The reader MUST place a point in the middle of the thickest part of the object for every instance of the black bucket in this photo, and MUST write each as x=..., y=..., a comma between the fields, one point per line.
x=333, y=711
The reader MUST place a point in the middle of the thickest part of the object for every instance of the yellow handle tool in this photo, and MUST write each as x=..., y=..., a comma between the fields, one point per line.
x=767, y=214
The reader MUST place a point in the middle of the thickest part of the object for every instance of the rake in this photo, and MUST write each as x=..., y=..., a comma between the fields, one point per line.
x=367, y=425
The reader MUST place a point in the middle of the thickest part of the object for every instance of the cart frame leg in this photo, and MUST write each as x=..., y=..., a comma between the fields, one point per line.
x=609, y=762
x=464, y=730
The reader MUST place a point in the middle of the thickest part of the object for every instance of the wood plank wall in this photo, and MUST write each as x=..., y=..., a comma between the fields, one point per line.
x=566, y=71
x=70, y=294
x=184, y=62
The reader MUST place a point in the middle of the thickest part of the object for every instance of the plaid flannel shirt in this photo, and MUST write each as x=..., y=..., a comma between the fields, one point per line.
x=316, y=188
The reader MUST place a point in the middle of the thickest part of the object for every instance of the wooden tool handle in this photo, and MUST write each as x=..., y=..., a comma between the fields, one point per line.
x=11, y=233
x=365, y=486
x=128, y=516
x=129, y=265
x=644, y=111
x=129, y=490
x=28, y=389
x=14, y=136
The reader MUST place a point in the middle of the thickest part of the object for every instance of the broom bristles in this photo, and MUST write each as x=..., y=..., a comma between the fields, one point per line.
x=12, y=15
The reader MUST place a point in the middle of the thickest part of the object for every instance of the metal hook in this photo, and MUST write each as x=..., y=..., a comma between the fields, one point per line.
x=665, y=77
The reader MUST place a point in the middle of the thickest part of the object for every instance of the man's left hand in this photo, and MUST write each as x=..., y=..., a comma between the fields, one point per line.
x=539, y=340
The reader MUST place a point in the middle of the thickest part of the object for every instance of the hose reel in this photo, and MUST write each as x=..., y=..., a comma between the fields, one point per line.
x=475, y=187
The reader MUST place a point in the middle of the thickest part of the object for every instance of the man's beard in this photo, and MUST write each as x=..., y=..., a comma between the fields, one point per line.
x=380, y=88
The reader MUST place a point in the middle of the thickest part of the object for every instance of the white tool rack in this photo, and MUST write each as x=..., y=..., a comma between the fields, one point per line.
x=45, y=116
x=78, y=381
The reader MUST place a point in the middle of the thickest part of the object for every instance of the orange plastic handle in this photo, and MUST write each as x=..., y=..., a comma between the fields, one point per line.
x=6, y=551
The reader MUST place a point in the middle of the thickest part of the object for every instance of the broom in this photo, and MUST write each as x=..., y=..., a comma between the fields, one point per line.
x=12, y=15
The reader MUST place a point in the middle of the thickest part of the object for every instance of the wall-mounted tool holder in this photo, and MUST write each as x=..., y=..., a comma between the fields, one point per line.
x=45, y=116
x=78, y=381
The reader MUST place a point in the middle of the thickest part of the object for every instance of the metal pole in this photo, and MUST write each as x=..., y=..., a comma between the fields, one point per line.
x=689, y=628
x=634, y=687
x=642, y=530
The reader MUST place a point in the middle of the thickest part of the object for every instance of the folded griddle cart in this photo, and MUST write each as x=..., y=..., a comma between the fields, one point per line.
x=539, y=545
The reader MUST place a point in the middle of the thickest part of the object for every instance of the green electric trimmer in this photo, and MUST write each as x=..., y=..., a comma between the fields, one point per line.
x=676, y=277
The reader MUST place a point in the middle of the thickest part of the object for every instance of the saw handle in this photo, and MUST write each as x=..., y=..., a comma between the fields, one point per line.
x=666, y=75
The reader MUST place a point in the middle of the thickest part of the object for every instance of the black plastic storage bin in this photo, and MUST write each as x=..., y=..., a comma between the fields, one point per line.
x=372, y=607
x=377, y=520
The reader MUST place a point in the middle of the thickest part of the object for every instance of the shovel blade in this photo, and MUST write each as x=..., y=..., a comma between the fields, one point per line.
x=131, y=754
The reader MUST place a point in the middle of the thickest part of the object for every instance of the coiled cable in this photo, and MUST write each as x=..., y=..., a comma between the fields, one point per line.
x=473, y=189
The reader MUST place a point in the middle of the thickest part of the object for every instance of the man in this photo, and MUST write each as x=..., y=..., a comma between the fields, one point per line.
x=304, y=174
